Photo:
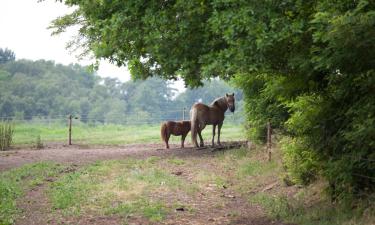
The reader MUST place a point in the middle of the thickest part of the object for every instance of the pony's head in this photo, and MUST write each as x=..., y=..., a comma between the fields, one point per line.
x=230, y=101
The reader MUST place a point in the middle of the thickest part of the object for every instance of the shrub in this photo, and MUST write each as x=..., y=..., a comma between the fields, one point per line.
x=39, y=143
x=262, y=103
x=6, y=135
x=301, y=163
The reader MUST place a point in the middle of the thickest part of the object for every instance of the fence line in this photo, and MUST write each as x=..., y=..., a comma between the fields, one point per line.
x=119, y=118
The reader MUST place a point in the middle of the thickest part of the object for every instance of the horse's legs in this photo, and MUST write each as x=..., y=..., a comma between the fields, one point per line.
x=183, y=140
x=201, y=127
x=218, y=132
x=167, y=139
x=213, y=134
x=201, y=139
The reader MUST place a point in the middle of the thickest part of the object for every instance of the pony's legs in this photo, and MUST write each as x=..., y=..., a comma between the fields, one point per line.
x=218, y=133
x=201, y=139
x=201, y=127
x=213, y=134
x=183, y=140
x=167, y=139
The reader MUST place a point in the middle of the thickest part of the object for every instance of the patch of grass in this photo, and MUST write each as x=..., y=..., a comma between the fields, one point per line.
x=208, y=178
x=229, y=132
x=176, y=161
x=154, y=211
x=15, y=182
x=234, y=154
x=123, y=187
x=27, y=133
x=71, y=190
x=256, y=168
x=277, y=207
x=153, y=159
x=322, y=212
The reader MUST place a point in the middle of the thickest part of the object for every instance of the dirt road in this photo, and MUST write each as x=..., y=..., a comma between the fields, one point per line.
x=35, y=205
x=80, y=154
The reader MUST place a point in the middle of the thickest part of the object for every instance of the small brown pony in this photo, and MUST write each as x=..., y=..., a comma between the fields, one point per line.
x=213, y=114
x=176, y=128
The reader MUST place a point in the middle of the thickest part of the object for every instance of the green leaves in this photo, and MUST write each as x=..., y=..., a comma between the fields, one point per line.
x=306, y=65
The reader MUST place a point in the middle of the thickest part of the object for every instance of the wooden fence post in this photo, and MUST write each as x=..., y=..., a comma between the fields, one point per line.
x=269, y=140
x=70, y=130
x=183, y=113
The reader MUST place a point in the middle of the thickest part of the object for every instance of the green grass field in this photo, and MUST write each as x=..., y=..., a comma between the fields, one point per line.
x=27, y=134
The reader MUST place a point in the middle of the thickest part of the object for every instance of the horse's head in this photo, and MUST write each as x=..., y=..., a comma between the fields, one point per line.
x=230, y=101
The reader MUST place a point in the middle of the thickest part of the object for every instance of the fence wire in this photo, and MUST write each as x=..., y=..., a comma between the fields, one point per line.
x=142, y=117
x=113, y=128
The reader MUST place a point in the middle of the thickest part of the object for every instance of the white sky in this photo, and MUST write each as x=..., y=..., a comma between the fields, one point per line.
x=23, y=27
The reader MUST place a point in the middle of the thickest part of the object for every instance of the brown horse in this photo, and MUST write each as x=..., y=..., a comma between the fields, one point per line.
x=176, y=128
x=213, y=114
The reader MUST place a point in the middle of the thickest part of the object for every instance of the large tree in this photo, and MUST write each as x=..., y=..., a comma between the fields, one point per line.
x=309, y=65
x=203, y=39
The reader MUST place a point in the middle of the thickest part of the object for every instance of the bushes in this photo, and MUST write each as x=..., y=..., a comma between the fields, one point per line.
x=6, y=135
x=330, y=130
x=261, y=104
x=300, y=163
x=347, y=139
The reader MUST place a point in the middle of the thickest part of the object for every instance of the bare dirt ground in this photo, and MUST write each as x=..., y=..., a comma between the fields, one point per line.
x=214, y=205
x=81, y=154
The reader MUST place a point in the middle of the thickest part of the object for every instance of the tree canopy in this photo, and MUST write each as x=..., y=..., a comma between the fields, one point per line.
x=202, y=39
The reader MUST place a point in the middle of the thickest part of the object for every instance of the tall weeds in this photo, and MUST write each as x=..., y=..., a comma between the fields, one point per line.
x=6, y=135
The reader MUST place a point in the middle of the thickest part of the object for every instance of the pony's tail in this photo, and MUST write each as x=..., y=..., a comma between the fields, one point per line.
x=194, y=126
x=164, y=131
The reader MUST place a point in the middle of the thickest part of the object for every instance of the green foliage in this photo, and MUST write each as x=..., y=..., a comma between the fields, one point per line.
x=300, y=163
x=263, y=102
x=289, y=56
x=42, y=89
x=6, y=135
x=6, y=55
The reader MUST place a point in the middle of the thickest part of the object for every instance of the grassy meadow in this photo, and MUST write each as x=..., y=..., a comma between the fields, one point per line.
x=26, y=134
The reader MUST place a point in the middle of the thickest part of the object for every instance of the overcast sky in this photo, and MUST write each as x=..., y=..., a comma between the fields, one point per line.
x=23, y=27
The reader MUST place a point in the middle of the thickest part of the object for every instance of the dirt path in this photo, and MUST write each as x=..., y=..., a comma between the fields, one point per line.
x=214, y=205
x=78, y=154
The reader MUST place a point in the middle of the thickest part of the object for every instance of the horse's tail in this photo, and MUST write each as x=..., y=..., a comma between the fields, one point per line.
x=164, y=131
x=194, y=126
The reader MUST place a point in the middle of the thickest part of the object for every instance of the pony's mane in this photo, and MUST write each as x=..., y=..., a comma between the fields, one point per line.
x=220, y=102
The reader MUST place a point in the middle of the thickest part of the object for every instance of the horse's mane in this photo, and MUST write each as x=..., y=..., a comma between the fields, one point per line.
x=221, y=103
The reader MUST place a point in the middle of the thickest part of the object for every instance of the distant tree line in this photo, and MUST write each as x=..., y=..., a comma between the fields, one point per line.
x=43, y=89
